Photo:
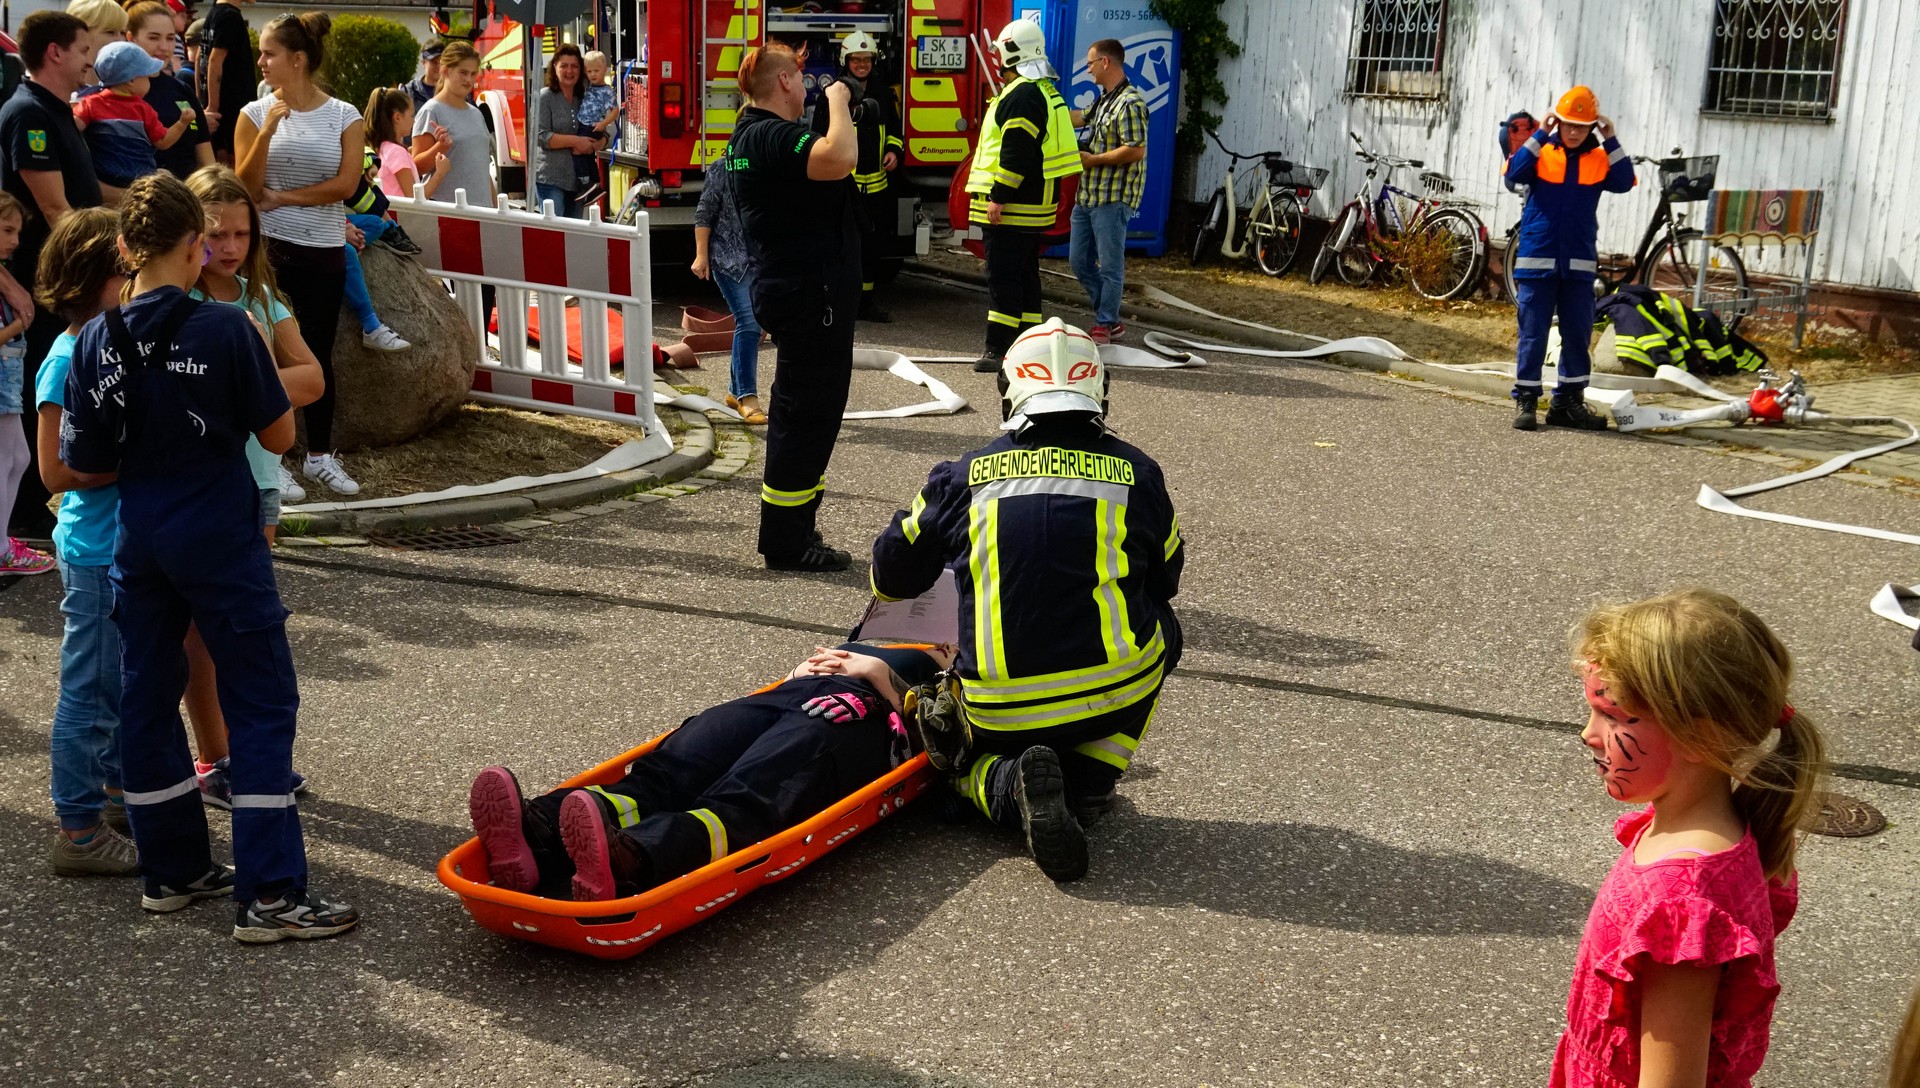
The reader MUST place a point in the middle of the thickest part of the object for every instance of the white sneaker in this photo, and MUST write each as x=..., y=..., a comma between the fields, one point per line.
x=327, y=469
x=290, y=489
x=384, y=339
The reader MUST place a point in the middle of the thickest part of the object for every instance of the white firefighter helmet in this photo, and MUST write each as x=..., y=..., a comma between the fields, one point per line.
x=858, y=42
x=1019, y=42
x=1052, y=367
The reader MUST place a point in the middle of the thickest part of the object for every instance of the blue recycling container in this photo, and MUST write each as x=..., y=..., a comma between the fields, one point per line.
x=1153, y=67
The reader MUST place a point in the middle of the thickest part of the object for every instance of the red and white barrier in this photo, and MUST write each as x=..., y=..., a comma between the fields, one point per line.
x=534, y=261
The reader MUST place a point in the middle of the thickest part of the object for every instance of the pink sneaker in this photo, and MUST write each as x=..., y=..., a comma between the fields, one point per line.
x=496, y=809
x=583, y=827
x=20, y=559
x=1099, y=335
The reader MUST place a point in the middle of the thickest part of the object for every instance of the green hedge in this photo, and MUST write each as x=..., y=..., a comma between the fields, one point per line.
x=364, y=52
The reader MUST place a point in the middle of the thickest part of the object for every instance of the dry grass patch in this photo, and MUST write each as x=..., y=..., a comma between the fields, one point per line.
x=480, y=444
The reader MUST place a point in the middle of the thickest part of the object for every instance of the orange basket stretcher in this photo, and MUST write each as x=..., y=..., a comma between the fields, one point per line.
x=616, y=929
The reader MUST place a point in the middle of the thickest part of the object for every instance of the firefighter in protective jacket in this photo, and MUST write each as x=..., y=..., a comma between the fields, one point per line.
x=876, y=123
x=1567, y=163
x=1066, y=553
x=1026, y=149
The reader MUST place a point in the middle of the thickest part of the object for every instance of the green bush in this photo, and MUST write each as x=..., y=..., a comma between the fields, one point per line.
x=364, y=52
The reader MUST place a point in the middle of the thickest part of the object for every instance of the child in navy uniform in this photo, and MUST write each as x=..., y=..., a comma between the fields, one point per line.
x=164, y=391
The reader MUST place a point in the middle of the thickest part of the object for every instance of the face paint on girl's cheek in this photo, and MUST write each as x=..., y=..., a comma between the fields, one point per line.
x=1635, y=754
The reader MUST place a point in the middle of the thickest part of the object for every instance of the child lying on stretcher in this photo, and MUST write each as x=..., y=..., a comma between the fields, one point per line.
x=727, y=778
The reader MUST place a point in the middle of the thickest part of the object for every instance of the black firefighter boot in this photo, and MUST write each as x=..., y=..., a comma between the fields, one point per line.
x=1525, y=417
x=1572, y=412
x=1054, y=836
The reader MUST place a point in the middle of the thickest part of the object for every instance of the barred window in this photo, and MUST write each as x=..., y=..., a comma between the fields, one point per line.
x=1775, y=58
x=1396, y=48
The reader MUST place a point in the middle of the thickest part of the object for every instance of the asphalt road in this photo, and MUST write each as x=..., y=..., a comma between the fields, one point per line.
x=1358, y=848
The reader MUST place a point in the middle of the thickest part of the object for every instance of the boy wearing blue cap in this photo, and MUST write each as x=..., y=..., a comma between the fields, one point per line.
x=727, y=778
x=123, y=131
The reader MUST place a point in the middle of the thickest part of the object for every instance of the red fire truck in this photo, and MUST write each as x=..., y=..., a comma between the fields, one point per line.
x=682, y=95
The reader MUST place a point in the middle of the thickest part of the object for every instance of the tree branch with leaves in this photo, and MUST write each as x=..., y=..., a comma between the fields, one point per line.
x=1203, y=45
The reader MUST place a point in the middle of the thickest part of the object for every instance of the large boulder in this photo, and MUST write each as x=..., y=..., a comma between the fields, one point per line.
x=389, y=397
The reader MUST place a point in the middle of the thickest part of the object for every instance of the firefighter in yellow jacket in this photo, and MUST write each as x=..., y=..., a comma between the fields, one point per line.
x=1026, y=149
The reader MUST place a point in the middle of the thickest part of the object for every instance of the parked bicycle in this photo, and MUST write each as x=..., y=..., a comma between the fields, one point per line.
x=1669, y=249
x=1275, y=213
x=1440, y=244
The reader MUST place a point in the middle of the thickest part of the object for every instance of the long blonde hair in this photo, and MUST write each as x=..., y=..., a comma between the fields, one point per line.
x=1715, y=677
x=1906, y=1050
x=216, y=185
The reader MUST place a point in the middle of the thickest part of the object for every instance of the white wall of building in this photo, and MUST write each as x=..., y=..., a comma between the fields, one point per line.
x=1646, y=60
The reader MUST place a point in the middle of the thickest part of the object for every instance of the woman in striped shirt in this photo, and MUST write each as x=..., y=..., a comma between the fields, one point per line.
x=299, y=152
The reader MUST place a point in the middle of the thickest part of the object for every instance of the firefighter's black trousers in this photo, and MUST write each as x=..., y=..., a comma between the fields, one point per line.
x=812, y=323
x=734, y=775
x=1013, y=284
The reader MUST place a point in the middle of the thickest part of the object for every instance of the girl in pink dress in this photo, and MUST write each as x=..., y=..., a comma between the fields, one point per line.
x=1674, y=984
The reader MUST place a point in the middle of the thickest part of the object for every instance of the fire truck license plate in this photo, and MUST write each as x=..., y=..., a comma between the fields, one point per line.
x=941, y=55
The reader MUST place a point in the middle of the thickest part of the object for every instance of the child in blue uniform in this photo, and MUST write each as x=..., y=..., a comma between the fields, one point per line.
x=1566, y=164
x=164, y=391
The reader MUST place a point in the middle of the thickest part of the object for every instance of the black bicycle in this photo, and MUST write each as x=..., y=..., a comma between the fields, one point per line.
x=1668, y=252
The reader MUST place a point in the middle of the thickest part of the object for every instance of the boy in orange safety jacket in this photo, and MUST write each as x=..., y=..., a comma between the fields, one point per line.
x=1567, y=163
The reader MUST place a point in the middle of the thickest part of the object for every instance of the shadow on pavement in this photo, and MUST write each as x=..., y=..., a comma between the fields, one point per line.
x=419, y=986
x=1306, y=874
x=932, y=445
x=1219, y=633
x=1243, y=380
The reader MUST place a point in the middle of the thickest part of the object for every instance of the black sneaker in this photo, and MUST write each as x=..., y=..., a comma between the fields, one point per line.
x=869, y=311
x=1525, y=417
x=987, y=363
x=396, y=239
x=819, y=558
x=161, y=899
x=300, y=915
x=1054, y=838
x=1573, y=413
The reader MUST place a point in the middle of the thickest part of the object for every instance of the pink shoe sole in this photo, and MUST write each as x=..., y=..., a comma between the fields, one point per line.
x=494, y=805
x=584, y=831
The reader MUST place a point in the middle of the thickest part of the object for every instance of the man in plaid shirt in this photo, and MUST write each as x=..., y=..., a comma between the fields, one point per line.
x=1113, y=154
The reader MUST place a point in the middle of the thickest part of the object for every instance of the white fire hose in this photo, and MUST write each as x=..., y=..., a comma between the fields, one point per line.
x=1788, y=404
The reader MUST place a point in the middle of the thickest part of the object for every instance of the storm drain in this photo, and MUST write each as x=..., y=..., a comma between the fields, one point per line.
x=445, y=540
x=1843, y=817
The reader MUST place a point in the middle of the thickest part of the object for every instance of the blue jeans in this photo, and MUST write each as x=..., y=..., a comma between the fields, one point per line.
x=86, y=719
x=1098, y=253
x=358, y=300
x=373, y=226
x=1538, y=298
x=562, y=199
x=744, y=379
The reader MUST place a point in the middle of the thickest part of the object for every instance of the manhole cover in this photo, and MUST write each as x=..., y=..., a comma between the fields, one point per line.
x=1843, y=817
x=445, y=540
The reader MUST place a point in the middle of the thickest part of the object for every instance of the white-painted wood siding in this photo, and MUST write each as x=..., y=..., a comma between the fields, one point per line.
x=1647, y=62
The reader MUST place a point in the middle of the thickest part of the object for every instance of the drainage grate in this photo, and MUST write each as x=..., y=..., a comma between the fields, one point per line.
x=1843, y=817
x=445, y=540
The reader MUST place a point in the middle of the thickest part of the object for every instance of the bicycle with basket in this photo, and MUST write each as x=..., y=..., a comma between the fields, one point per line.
x=1371, y=233
x=1666, y=258
x=1268, y=224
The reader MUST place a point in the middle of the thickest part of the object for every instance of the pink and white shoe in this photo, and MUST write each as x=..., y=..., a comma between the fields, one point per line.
x=22, y=560
x=496, y=808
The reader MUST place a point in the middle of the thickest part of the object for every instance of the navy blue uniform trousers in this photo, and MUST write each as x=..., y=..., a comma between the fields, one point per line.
x=739, y=773
x=1539, y=298
x=209, y=567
